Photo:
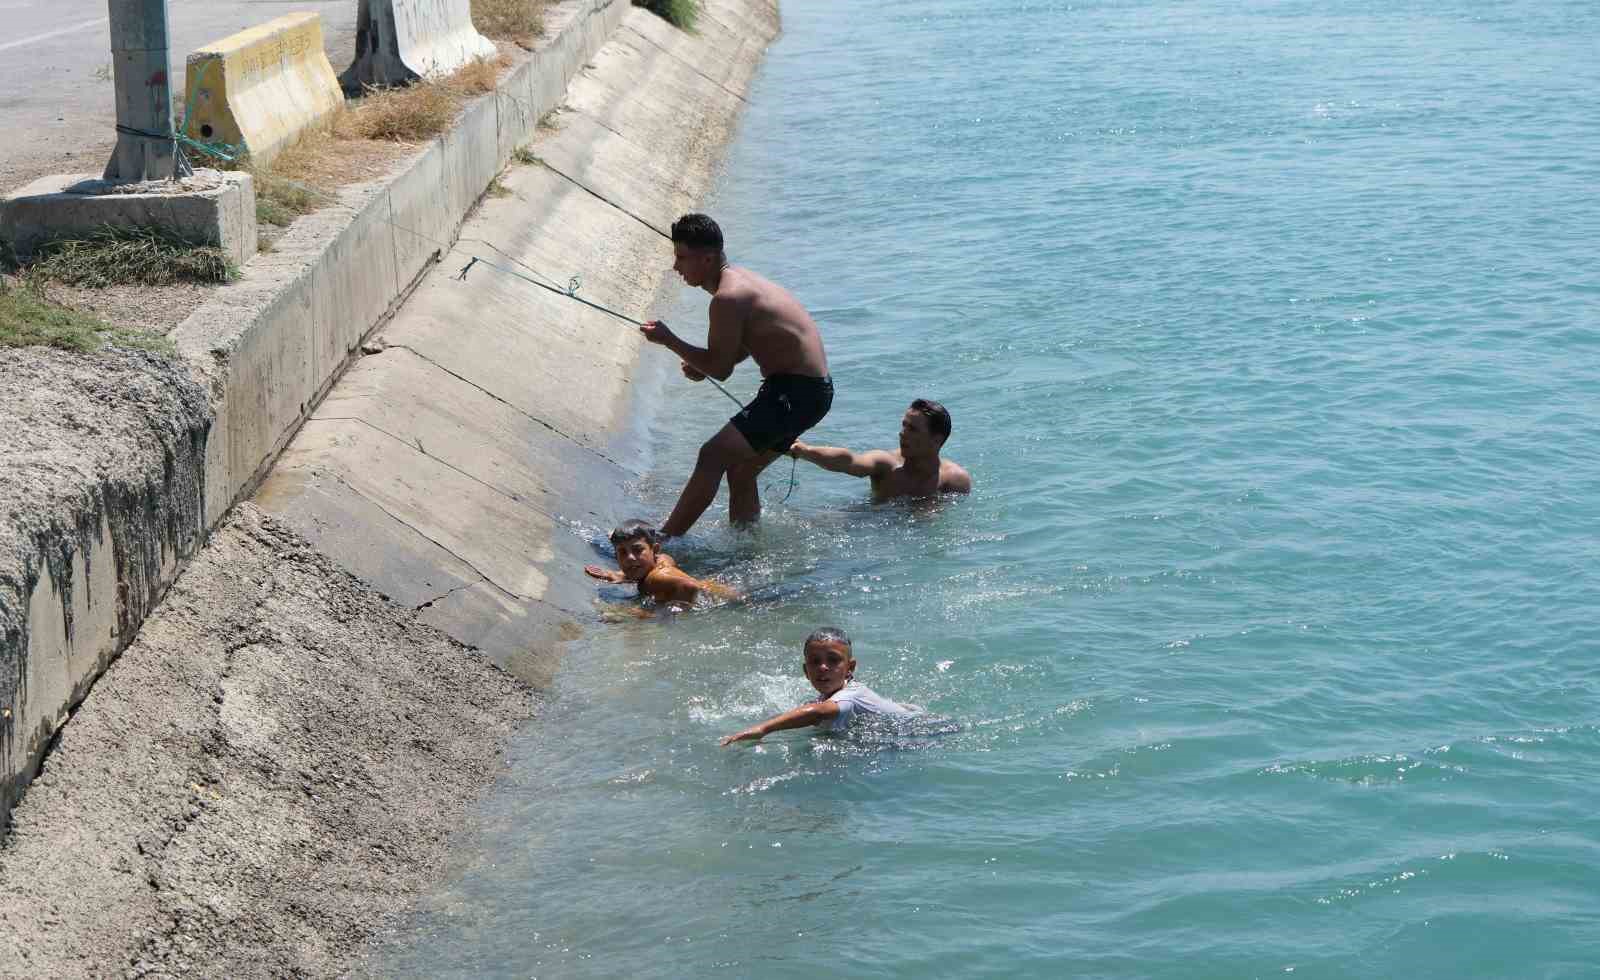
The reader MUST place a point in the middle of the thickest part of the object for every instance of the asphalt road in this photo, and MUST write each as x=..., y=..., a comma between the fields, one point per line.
x=56, y=105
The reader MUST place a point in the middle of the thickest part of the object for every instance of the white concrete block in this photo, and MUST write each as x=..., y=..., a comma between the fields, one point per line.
x=398, y=41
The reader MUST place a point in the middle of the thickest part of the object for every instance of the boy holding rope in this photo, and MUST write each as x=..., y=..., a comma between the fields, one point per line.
x=755, y=318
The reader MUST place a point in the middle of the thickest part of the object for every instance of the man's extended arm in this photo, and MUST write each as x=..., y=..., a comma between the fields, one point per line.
x=724, y=340
x=873, y=462
x=804, y=716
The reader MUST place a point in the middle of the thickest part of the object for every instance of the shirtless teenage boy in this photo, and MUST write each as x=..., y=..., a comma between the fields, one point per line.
x=755, y=318
x=915, y=471
x=642, y=562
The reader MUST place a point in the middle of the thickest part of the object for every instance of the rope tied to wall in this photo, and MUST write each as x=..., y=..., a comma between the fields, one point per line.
x=570, y=292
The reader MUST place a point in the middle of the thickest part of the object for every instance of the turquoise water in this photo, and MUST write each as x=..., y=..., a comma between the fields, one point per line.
x=1267, y=642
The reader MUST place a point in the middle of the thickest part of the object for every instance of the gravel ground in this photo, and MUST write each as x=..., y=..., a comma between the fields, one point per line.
x=150, y=309
x=259, y=785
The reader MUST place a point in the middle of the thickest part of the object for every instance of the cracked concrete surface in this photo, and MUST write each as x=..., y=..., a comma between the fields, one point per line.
x=532, y=418
x=599, y=196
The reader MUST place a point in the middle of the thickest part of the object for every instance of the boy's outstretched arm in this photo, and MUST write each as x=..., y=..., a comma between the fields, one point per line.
x=804, y=716
x=873, y=462
x=672, y=584
x=719, y=590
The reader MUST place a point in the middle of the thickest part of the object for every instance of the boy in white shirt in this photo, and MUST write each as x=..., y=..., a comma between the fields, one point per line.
x=829, y=667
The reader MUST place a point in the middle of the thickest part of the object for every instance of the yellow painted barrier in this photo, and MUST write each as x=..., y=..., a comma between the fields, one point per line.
x=261, y=88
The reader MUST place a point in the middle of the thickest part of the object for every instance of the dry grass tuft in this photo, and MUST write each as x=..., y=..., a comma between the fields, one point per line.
x=335, y=155
x=518, y=21
x=404, y=115
x=418, y=111
x=130, y=256
x=478, y=77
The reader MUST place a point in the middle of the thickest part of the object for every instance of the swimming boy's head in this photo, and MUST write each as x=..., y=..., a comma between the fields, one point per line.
x=696, y=248
x=829, y=660
x=638, y=546
x=924, y=428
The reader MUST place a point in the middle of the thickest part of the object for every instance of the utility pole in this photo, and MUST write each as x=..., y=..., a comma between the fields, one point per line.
x=145, y=148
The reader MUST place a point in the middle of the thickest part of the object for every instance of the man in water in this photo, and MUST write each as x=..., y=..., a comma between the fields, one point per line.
x=750, y=317
x=831, y=668
x=915, y=471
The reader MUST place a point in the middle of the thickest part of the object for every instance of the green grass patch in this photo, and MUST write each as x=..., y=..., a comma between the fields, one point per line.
x=524, y=155
x=280, y=200
x=497, y=189
x=28, y=319
x=130, y=257
x=679, y=13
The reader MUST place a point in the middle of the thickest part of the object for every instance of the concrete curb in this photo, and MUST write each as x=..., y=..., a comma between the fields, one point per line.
x=265, y=350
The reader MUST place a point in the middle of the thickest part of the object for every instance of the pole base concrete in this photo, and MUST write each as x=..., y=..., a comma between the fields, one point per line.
x=209, y=208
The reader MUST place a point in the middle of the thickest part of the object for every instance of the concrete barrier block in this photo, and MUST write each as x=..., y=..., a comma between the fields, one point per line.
x=399, y=41
x=261, y=88
x=208, y=208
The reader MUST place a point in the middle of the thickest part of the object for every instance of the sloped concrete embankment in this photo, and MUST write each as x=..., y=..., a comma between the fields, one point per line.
x=274, y=768
x=457, y=469
x=101, y=510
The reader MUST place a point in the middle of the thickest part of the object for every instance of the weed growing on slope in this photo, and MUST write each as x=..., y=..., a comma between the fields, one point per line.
x=280, y=200
x=517, y=21
x=680, y=13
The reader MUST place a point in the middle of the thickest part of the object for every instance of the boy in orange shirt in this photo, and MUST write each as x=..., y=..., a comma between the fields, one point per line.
x=642, y=562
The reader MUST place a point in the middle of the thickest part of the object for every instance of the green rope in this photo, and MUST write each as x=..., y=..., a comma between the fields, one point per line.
x=216, y=148
x=180, y=137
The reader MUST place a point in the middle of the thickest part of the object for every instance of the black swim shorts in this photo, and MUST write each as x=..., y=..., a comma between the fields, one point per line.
x=786, y=405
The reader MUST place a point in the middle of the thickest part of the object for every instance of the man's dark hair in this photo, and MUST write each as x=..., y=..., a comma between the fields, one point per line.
x=938, y=416
x=698, y=231
x=829, y=634
x=628, y=530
